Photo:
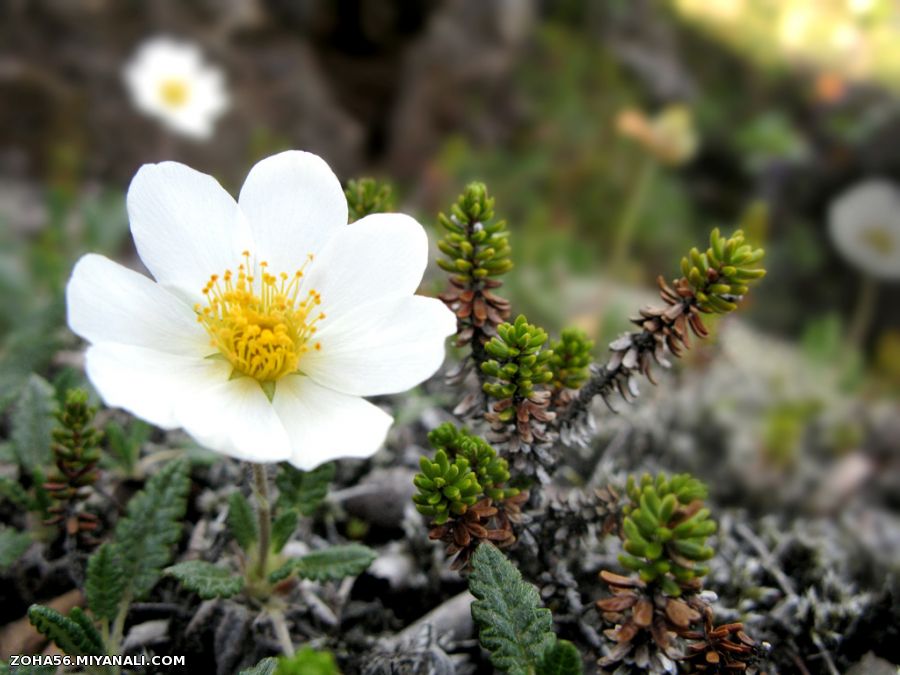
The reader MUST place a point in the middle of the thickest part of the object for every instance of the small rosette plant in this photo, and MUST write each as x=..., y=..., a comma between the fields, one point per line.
x=445, y=488
x=721, y=275
x=462, y=490
x=665, y=528
x=571, y=358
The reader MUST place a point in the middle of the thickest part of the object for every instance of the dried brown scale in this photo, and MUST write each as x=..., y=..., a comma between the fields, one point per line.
x=663, y=329
x=641, y=613
x=720, y=649
x=483, y=521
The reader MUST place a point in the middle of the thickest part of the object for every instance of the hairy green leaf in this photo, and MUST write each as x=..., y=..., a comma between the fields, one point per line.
x=207, y=580
x=105, y=582
x=561, y=659
x=513, y=626
x=125, y=444
x=282, y=529
x=265, y=667
x=328, y=564
x=152, y=526
x=73, y=634
x=33, y=422
x=241, y=520
x=303, y=490
x=13, y=491
x=26, y=670
x=12, y=545
x=307, y=661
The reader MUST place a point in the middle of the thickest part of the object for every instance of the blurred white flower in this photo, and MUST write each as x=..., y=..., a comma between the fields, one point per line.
x=171, y=81
x=270, y=318
x=864, y=223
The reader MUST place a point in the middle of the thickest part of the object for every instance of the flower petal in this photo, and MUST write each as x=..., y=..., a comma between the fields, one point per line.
x=384, y=347
x=294, y=204
x=186, y=226
x=149, y=383
x=380, y=256
x=323, y=424
x=233, y=417
x=110, y=303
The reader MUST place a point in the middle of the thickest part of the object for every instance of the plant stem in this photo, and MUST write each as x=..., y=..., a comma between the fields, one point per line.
x=279, y=623
x=263, y=515
x=628, y=220
x=863, y=312
x=114, y=646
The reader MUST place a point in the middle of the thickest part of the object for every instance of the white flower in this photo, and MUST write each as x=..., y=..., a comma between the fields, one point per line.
x=170, y=80
x=270, y=318
x=864, y=223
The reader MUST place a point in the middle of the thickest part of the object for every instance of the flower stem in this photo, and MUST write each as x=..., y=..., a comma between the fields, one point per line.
x=863, y=312
x=263, y=515
x=631, y=212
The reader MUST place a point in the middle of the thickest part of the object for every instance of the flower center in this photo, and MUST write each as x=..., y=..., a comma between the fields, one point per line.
x=263, y=326
x=878, y=240
x=174, y=92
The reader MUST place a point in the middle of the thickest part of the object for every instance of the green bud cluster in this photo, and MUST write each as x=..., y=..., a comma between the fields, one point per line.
x=490, y=470
x=517, y=361
x=76, y=441
x=366, y=196
x=476, y=246
x=722, y=274
x=571, y=359
x=445, y=487
x=665, y=529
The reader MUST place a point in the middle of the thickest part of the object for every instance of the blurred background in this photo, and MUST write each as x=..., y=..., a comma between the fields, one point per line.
x=614, y=136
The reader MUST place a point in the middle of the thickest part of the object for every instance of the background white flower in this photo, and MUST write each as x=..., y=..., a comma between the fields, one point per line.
x=171, y=81
x=864, y=223
x=274, y=368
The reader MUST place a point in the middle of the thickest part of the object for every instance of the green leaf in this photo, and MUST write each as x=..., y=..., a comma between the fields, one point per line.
x=13, y=491
x=307, y=661
x=561, y=659
x=68, y=633
x=152, y=526
x=12, y=545
x=105, y=582
x=26, y=670
x=33, y=422
x=512, y=624
x=125, y=445
x=241, y=521
x=207, y=580
x=303, y=490
x=329, y=564
x=282, y=529
x=265, y=667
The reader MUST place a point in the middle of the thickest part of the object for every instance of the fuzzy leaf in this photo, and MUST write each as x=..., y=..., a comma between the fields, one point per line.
x=561, y=659
x=303, y=490
x=13, y=491
x=12, y=545
x=329, y=564
x=33, y=422
x=282, y=529
x=241, y=521
x=265, y=667
x=308, y=661
x=152, y=526
x=69, y=634
x=512, y=624
x=207, y=580
x=105, y=582
x=26, y=670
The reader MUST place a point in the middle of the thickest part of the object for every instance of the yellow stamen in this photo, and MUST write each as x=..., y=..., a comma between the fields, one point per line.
x=174, y=92
x=263, y=329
